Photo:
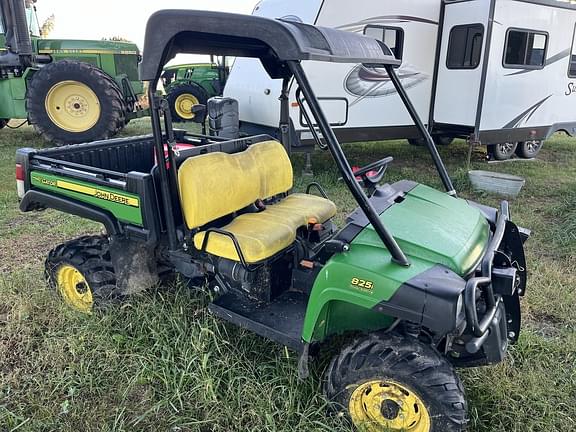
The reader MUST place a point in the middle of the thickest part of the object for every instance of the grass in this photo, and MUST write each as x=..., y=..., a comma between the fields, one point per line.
x=162, y=363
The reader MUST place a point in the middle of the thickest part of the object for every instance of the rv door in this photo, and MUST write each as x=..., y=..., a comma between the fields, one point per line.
x=460, y=64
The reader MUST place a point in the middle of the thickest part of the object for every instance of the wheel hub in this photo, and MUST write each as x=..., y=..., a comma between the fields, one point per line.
x=184, y=104
x=378, y=406
x=74, y=289
x=73, y=106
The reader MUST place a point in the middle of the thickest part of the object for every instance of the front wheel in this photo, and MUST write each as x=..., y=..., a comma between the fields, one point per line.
x=389, y=383
x=529, y=149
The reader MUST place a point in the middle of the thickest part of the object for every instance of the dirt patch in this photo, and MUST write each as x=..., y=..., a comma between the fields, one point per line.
x=28, y=250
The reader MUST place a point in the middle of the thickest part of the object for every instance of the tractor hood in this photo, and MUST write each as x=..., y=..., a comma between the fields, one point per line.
x=432, y=227
x=59, y=46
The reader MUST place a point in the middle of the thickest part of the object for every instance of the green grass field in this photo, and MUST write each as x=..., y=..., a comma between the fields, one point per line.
x=162, y=363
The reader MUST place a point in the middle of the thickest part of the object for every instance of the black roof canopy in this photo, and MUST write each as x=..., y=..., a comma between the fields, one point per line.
x=170, y=32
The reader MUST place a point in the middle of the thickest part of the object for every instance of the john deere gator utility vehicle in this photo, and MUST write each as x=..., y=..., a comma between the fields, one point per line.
x=189, y=85
x=425, y=280
x=72, y=91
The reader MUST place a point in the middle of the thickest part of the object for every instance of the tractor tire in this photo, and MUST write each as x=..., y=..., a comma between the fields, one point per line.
x=182, y=98
x=391, y=383
x=71, y=102
x=529, y=149
x=81, y=272
x=3, y=122
x=502, y=152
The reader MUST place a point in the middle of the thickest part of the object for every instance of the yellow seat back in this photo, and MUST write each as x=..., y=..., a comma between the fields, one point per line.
x=217, y=184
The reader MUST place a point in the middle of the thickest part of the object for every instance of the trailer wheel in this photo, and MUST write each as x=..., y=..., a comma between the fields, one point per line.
x=529, y=149
x=3, y=122
x=81, y=272
x=182, y=98
x=71, y=102
x=389, y=383
x=502, y=151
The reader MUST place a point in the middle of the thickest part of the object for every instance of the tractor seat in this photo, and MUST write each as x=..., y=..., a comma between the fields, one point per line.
x=215, y=185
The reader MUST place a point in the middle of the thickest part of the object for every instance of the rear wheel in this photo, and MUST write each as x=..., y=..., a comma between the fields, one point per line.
x=503, y=151
x=182, y=98
x=81, y=272
x=389, y=383
x=3, y=122
x=529, y=149
x=70, y=102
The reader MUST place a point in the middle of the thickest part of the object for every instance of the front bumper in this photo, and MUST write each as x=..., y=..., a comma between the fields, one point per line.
x=495, y=291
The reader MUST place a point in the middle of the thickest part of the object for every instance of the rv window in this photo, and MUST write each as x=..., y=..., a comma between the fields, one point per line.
x=393, y=37
x=525, y=48
x=572, y=70
x=465, y=46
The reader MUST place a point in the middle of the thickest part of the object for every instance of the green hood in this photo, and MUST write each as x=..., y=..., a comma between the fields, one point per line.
x=432, y=227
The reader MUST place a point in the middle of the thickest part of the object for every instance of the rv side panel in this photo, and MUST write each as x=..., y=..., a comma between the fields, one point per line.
x=531, y=84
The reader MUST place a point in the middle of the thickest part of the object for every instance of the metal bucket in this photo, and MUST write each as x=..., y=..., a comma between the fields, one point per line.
x=498, y=183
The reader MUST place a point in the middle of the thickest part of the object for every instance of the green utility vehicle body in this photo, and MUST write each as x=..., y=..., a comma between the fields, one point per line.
x=414, y=223
x=117, y=59
x=429, y=281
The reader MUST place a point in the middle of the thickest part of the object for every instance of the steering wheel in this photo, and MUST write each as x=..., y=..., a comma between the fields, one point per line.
x=378, y=166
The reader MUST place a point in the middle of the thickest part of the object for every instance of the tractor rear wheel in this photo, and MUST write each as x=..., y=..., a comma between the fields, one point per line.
x=182, y=98
x=3, y=122
x=389, y=383
x=81, y=272
x=71, y=102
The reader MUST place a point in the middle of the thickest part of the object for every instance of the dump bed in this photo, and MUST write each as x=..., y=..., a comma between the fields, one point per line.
x=112, y=182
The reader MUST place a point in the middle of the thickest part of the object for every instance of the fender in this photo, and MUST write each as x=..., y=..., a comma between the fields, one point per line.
x=35, y=200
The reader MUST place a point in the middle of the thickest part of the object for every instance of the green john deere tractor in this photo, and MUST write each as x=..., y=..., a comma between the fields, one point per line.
x=189, y=85
x=72, y=91
x=424, y=281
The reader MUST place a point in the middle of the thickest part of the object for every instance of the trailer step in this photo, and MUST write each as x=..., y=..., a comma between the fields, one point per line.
x=281, y=321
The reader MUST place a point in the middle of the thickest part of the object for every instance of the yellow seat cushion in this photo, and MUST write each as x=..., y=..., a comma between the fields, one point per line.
x=218, y=184
x=262, y=235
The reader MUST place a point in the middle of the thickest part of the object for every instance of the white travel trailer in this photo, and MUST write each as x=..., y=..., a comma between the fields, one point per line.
x=500, y=73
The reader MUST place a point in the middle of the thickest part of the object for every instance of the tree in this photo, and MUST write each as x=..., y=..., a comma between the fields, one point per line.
x=47, y=26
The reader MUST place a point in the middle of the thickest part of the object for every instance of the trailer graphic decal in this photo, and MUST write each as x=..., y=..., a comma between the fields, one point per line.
x=554, y=59
x=384, y=19
x=526, y=115
x=124, y=206
x=364, y=82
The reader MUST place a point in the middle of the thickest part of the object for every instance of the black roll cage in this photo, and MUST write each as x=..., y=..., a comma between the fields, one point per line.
x=338, y=44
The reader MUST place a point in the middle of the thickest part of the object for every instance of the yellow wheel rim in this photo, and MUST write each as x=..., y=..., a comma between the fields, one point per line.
x=381, y=406
x=74, y=288
x=184, y=104
x=73, y=106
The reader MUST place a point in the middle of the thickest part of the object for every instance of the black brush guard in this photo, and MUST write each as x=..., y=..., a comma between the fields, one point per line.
x=480, y=327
